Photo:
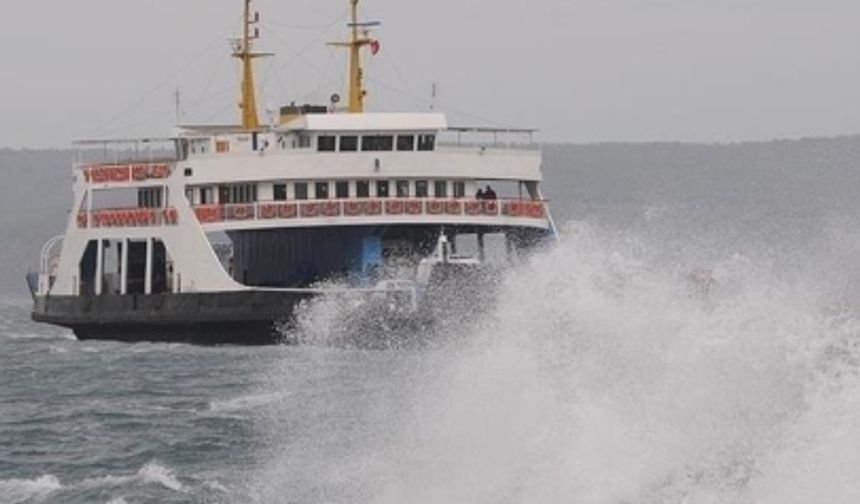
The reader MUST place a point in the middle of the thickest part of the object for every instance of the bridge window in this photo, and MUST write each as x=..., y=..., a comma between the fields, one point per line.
x=341, y=189
x=402, y=188
x=326, y=143
x=279, y=192
x=322, y=190
x=362, y=189
x=382, y=189
x=348, y=143
x=406, y=143
x=427, y=142
x=301, y=190
x=440, y=189
x=377, y=143
x=459, y=189
x=422, y=189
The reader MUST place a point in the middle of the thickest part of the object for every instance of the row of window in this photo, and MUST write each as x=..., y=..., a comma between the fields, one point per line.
x=375, y=143
x=248, y=193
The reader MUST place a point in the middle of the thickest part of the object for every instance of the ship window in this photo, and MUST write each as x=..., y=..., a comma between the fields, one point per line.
x=426, y=142
x=406, y=143
x=459, y=189
x=207, y=196
x=239, y=193
x=348, y=143
x=322, y=190
x=440, y=189
x=149, y=198
x=341, y=190
x=422, y=189
x=402, y=188
x=304, y=141
x=377, y=143
x=326, y=143
x=189, y=172
x=362, y=189
x=382, y=189
x=280, y=192
x=301, y=190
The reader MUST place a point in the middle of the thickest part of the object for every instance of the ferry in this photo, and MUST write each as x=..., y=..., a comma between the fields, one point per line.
x=217, y=234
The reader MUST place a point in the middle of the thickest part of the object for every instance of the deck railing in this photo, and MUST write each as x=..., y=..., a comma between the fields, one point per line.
x=354, y=208
x=128, y=218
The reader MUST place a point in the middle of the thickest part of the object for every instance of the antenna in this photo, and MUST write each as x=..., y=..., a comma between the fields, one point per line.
x=434, y=92
x=178, y=106
x=359, y=37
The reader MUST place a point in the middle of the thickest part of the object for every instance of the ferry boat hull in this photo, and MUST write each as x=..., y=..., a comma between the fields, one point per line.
x=228, y=318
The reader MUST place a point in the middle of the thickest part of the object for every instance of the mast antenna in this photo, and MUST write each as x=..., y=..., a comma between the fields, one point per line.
x=359, y=38
x=244, y=51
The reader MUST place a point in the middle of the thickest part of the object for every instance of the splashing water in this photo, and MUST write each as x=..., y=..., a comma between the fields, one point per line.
x=596, y=378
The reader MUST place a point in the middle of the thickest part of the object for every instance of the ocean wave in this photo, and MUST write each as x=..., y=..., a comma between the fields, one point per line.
x=15, y=491
x=245, y=403
x=23, y=490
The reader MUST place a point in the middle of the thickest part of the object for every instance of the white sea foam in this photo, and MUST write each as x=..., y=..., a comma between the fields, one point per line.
x=599, y=378
x=13, y=491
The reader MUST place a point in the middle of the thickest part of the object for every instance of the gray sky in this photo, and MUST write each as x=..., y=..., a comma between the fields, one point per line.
x=580, y=70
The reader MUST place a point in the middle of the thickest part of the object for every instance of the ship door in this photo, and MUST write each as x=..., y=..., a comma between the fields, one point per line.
x=88, y=269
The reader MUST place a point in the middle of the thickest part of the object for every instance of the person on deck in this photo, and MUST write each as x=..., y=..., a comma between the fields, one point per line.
x=490, y=194
x=480, y=194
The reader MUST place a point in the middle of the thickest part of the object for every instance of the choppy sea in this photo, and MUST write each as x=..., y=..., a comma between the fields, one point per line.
x=600, y=374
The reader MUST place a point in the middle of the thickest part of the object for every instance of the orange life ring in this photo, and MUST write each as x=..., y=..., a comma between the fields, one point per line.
x=454, y=208
x=139, y=172
x=394, y=207
x=268, y=211
x=491, y=207
x=354, y=208
x=373, y=208
x=435, y=207
x=473, y=207
x=288, y=211
x=311, y=210
x=331, y=209
x=241, y=212
x=414, y=207
x=159, y=171
x=536, y=210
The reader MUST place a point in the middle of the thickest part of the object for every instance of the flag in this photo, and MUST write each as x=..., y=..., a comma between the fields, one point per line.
x=375, y=47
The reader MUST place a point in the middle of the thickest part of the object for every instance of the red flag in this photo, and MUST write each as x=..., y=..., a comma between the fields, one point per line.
x=375, y=47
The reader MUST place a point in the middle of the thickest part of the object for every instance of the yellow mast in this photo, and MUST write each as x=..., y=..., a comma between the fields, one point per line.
x=358, y=39
x=244, y=52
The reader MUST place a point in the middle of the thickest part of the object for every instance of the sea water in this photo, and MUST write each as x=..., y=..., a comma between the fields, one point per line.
x=603, y=373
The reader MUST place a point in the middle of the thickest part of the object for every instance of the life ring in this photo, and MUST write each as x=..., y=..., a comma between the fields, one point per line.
x=374, y=208
x=394, y=207
x=289, y=211
x=454, y=208
x=120, y=174
x=241, y=212
x=491, y=207
x=536, y=211
x=139, y=172
x=473, y=207
x=159, y=171
x=310, y=210
x=331, y=209
x=435, y=207
x=414, y=207
x=171, y=216
x=268, y=211
x=354, y=208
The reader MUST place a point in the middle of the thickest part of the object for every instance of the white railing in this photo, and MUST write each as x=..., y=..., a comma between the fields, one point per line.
x=370, y=208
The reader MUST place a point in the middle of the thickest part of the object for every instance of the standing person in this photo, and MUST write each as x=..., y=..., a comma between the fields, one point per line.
x=480, y=194
x=490, y=194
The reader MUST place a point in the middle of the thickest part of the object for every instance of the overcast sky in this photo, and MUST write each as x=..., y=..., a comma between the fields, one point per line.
x=580, y=70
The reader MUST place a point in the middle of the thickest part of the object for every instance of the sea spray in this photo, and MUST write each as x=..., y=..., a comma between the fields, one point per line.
x=595, y=377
